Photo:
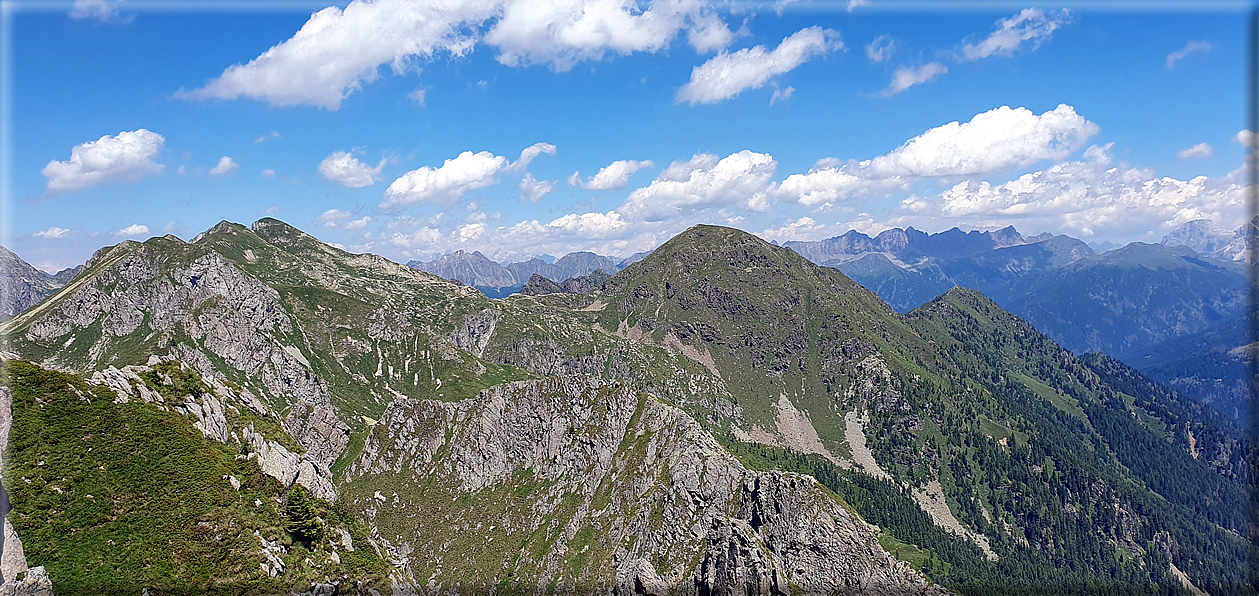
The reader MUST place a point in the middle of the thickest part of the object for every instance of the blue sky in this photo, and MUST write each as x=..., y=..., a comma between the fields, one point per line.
x=398, y=127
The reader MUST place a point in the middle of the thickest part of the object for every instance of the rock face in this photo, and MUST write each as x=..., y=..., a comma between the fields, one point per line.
x=1201, y=235
x=539, y=285
x=631, y=495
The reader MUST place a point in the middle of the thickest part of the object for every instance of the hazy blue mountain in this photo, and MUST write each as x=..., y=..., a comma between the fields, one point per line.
x=498, y=281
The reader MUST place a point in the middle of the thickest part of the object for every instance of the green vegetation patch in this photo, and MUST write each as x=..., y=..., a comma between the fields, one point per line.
x=113, y=498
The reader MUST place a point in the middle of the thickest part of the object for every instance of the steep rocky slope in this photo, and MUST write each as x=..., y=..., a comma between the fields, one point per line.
x=577, y=484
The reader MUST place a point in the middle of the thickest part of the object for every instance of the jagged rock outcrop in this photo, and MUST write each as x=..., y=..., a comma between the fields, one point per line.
x=539, y=286
x=630, y=494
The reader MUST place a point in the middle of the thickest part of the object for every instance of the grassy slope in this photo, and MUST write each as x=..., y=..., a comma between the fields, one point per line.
x=115, y=497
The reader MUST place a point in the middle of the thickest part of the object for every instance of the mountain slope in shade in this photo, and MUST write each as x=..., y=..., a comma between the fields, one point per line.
x=22, y=285
x=1211, y=365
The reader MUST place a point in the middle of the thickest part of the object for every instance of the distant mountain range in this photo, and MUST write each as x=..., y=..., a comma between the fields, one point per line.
x=1173, y=310
x=23, y=286
x=497, y=281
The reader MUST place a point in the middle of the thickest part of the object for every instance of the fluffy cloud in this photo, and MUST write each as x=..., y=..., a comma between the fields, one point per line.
x=531, y=189
x=133, y=230
x=704, y=181
x=727, y=75
x=344, y=169
x=991, y=141
x=1190, y=48
x=1198, y=151
x=823, y=186
x=906, y=77
x=1029, y=25
x=1086, y=198
x=1246, y=138
x=880, y=50
x=338, y=51
x=53, y=233
x=225, y=166
x=563, y=33
x=448, y=183
x=590, y=225
x=613, y=175
x=125, y=156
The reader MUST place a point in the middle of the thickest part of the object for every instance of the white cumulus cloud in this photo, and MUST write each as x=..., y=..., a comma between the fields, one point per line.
x=1086, y=198
x=739, y=179
x=225, y=166
x=125, y=156
x=1192, y=47
x=906, y=77
x=52, y=233
x=338, y=51
x=448, y=183
x=1029, y=25
x=345, y=169
x=726, y=75
x=1247, y=138
x=563, y=33
x=611, y=176
x=133, y=230
x=590, y=225
x=994, y=140
x=1198, y=151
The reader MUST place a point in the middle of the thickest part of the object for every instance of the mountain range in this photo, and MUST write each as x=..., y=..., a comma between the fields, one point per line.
x=497, y=281
x=1126, y=302
x=257, y=411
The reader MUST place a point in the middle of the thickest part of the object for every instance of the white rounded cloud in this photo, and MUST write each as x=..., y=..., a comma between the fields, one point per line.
x=991, y=141
x=125, y=156
x=448, y=183
x=345, y=169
